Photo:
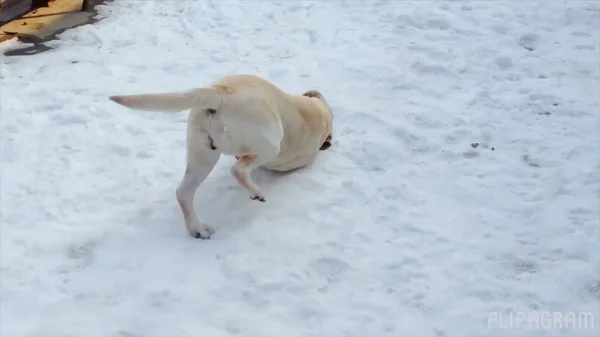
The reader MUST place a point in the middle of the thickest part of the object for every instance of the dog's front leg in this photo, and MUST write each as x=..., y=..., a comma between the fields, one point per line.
x=200, y=163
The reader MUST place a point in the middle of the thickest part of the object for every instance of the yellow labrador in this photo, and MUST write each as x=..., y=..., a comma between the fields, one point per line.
x=243, y=116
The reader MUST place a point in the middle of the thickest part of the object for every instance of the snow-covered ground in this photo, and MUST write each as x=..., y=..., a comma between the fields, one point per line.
x=463, y=180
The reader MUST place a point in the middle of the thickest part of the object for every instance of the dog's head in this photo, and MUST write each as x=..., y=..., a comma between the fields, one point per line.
x=328, y=118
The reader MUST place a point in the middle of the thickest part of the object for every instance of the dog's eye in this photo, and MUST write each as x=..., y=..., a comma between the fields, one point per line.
x=211, y=111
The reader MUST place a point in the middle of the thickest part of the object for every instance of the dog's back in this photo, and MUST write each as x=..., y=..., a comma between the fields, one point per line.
x=244, y=111
x=305, y=119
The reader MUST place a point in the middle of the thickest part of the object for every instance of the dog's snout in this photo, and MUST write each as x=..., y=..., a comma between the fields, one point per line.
x=326, y=144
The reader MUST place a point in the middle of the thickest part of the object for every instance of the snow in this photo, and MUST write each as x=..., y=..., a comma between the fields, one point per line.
x=463, y=179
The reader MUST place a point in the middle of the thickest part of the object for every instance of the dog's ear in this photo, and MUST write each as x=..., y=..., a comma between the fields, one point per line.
x=326, y=144
x=312, y=93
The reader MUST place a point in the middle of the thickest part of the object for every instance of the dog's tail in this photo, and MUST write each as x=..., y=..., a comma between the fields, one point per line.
x=203, y=98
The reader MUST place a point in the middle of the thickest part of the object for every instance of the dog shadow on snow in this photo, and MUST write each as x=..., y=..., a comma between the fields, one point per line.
x=220, y=202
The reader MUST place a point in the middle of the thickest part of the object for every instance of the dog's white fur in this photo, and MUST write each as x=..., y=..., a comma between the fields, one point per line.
x=243, y=116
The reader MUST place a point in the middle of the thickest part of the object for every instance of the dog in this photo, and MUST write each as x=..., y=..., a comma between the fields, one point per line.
x=247, y=117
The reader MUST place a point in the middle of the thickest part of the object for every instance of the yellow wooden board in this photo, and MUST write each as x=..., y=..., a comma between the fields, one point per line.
x=45, y=22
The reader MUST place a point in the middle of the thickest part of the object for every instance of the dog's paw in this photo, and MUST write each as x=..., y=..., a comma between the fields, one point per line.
x=258, y=197
x=204, y=233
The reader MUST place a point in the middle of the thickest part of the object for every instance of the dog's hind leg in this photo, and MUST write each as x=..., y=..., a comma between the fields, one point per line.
x=200, y=163
x=241, y=171
x=255, y=145
x=248, y=162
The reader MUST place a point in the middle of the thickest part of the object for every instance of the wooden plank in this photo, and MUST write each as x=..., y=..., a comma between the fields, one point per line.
x=45, y=22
